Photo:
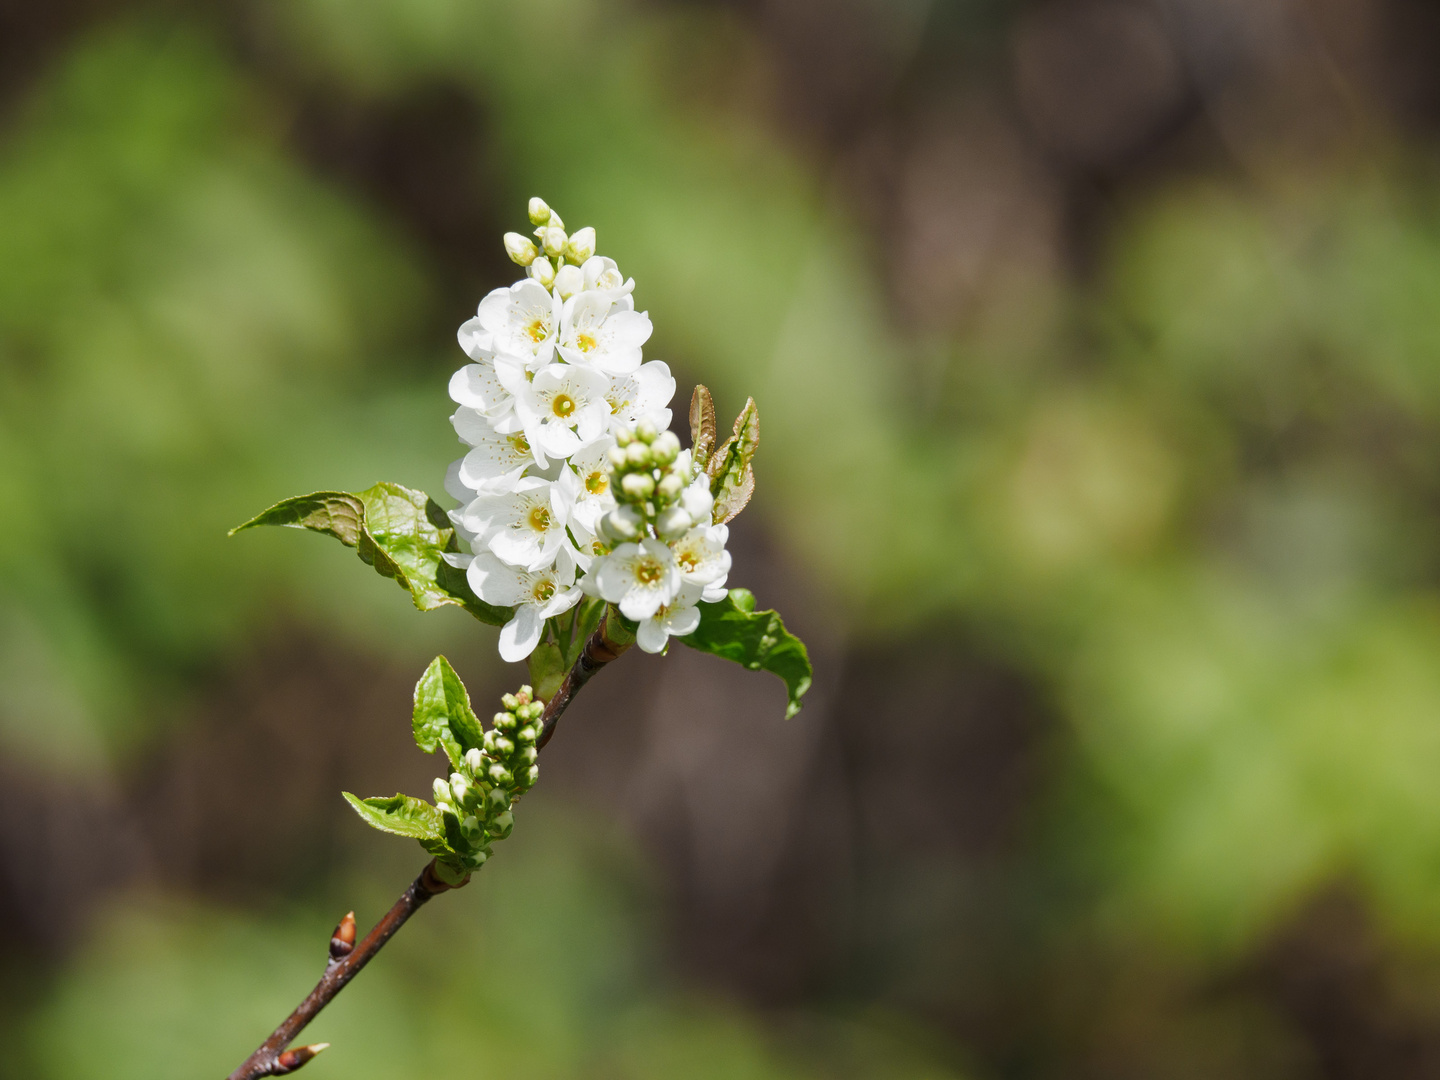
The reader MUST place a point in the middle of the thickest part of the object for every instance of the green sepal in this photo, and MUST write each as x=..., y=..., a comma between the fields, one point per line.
x=443, y=716
x=733, y=629
x=402, y=533
x=619, y=629
x=451, y=874
x=731, y=469
x=402, y=815
x=453, y=836
x=547, y=669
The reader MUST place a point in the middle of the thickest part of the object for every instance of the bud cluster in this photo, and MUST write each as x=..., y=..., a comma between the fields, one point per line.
x=550, y=257
x=476, y=801
x=648, y=475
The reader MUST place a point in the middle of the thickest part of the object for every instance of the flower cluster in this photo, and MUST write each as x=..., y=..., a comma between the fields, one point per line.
x=475, y=802
x=573, y=485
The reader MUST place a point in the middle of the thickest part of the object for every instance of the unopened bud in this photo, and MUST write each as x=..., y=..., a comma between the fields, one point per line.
x=442, y=791
x=502, y=824
x=460, y=785
x=528, y=754
x=671, y=485
x=501, y=776
x=342, y=941
x=637, y=454
x=292, y=1059
x=568, y=281
x=621, y=525
x=539, y=211
x=671, y=522
x=638, y=485
x=616, y=456
x=555, y=222
x=510, y=701
x=474, y=759
x=525, y=694
x=504, y=747
x=624, y=436
x=533, y=774
x=645, y=431
x=521, y=249
x=470, y=828
x=666, y=447
x=542, y=271
x=554, y=240
x=581, y=246
x=499, y=799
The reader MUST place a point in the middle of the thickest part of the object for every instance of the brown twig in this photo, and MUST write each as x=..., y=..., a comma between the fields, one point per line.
x=272, y=1058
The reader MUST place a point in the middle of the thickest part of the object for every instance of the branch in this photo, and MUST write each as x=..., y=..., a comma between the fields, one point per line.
x=272, y=1058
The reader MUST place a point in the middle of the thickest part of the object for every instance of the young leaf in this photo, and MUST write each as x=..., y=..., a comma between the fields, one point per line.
x=401, y=815
x=443, y=716
x=402, y=533
x=702, y=425
x=732, y=474
x=733, y=629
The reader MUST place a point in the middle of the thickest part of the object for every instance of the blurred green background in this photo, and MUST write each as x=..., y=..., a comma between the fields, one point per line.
x=1098, y=348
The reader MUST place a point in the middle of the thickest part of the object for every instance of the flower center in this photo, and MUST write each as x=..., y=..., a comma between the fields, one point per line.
x=519, y=443
x=687, y=559
x=649, y=572
x=585, y=341
x=537, y=330
x=543, y=591
x=596, y=483
x=538, y=518
x=562, y=405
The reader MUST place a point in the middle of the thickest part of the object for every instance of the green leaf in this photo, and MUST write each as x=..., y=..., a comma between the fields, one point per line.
x=732, y=474
x=443, y=716
x=401, y=815
x=702, y=425
x=733, y=629
x=402, y=533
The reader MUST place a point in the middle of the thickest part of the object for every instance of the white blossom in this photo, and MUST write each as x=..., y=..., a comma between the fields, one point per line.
x=497, y=461
x=701, y=556
x=697, y=500
x=592, y=493
x=596, y=330
x=639, y=578
x=679, y=617
x=562, y=408
x=526, y=527
x=643, y=393
x=602, y=274
x=536, y=595
x=523, y=320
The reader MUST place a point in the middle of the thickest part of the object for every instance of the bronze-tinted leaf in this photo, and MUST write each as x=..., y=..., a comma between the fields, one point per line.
x=731, y=469
x=703, y=432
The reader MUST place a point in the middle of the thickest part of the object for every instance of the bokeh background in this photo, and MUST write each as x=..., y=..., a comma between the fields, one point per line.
x=1097, y=344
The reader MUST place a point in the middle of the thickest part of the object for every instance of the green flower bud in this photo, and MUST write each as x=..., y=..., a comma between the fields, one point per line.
x=666, y=447
x=539, y=211
x=637, y=485
x=527, y=755
x=637, y=455
x=501, y=776
x=501, y=826
x=460, y=785
x=622, y=525
x=581, y=245
x=670, y=486
x=624, y=436
x=542, y=271
x=504, y=747
x=554, y=239
x=533, y=774
x=499, y=800
x=474, y=760
x=617, y=457
x=442, y=791
x=645, y=431
x=521, y=249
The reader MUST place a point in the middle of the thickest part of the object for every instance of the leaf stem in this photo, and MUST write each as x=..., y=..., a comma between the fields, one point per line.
x=271, y=1058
